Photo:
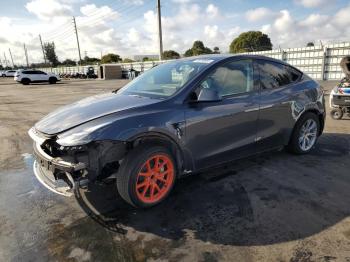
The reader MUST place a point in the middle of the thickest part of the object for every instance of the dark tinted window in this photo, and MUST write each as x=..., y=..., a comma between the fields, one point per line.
x=274, y=75
x=233, y=78
x=295, y=75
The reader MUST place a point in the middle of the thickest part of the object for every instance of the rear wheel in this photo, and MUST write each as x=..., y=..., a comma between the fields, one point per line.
x=305, y=134
x=52, y=80
x=146, y=176
x=25, y=81
x=337, y=114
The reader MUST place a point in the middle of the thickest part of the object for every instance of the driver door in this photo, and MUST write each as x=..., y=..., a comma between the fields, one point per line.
x=221, y=131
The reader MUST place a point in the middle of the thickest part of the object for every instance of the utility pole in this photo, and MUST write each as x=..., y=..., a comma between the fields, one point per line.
x=42, y=47
x=5, y=60
x=160, y=30
x=26, y=54
x=13, y=64
x=76, y=34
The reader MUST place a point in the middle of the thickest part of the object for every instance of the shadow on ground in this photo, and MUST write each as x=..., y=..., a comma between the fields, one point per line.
x=273, y=198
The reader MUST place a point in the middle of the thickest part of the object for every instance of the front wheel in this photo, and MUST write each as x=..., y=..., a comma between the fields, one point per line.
x=52, y=80
x=305, y=134
x=146, y=176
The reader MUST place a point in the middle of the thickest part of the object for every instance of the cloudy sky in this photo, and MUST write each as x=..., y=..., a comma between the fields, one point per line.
x=128, y=27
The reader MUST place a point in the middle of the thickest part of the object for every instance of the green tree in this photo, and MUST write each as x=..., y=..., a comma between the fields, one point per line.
x=170, y=54
x=90, y=60
x=145, y=59
x=188, y=53
x=110, y=58
x=216, y=50
x=251, y=41
x=50, y=53
x=128, y=60
x=69, y=62
x=198, y=48
x=310, y=44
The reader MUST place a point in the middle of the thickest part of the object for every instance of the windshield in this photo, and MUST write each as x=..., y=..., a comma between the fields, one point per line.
x=164, y=80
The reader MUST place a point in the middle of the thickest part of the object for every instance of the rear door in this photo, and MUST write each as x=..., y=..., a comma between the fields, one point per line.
x=42, y=76
x=276, y=103
x=217, y=132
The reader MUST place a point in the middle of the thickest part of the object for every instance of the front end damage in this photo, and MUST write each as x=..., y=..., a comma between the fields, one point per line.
x=61, y=168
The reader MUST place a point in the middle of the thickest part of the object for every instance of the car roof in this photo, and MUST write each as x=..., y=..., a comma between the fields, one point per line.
x=220, y=57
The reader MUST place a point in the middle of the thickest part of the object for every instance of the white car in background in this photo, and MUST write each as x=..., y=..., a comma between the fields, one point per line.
x=35, y=76
x=8, y=73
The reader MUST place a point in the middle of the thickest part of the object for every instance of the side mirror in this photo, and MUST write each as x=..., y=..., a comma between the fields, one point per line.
x=209, y=95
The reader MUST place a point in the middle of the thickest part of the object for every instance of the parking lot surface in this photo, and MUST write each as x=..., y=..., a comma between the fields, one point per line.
x=275, y=207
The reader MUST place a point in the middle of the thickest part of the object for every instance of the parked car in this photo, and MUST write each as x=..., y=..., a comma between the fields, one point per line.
x=35, y=76
x=178, y=119
x=8, y=73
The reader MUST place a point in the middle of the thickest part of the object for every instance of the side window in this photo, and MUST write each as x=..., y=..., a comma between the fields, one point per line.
x=230, y=79
x=40, y=73
x=274, y=75
x=294, y=74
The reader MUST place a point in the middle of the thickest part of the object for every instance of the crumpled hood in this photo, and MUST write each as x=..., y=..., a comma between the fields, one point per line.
x=88, y=109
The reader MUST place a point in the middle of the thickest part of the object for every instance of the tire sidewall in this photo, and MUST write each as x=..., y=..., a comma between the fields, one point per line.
x=52, y=80
x=25, y=81
x=295, y=140
x=137, y=165
x=339, y=111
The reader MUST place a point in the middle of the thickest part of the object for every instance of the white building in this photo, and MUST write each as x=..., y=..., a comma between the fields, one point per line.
x=141, y=57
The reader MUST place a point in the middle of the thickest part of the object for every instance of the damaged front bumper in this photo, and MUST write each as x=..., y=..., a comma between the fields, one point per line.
x=54, y=173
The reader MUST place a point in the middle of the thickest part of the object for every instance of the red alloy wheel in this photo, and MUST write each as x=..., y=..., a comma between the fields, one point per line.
x=155, y=179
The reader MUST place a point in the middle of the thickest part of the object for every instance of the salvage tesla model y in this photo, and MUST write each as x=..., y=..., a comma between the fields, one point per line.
x=177, y=119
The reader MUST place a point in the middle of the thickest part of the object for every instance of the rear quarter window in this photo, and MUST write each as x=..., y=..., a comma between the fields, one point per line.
x=275, y=75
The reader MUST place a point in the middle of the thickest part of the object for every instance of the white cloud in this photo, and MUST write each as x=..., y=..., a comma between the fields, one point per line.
x=312, y=3
x=212, y=11
x=48, y=9
x=289, y=32
x=211, y=31
x=259, y=14
x=182, y=1
x=315, y=20
x=133, y=35
x=342, y=17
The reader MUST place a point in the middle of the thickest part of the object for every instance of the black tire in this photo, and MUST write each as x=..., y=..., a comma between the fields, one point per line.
x=52, y=80
x=130, y=168
x=337, y=114
x=25, y=81
x=294, y=145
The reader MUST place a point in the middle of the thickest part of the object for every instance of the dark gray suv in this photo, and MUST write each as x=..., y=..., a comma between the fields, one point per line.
x=177, y=119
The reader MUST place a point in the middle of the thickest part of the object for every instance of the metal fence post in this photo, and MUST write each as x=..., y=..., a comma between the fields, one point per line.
x=325, y=51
